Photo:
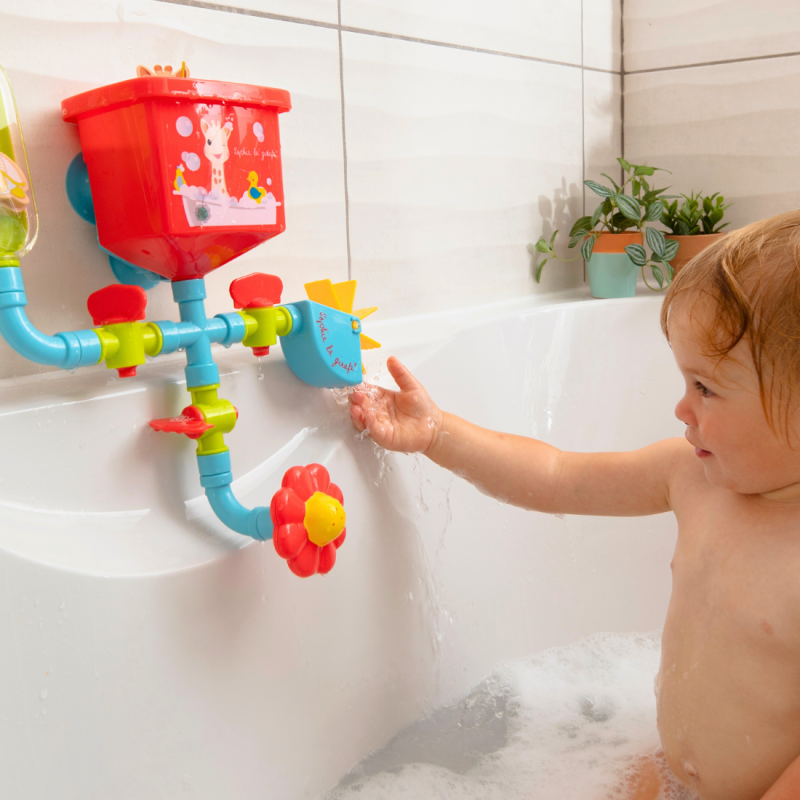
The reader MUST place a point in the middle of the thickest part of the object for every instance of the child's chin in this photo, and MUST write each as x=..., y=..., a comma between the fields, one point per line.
x=717, y=477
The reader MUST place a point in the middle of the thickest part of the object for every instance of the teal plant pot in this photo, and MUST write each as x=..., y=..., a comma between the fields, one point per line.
x=612, y=275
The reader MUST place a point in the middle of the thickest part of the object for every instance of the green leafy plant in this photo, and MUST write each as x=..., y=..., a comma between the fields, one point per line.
x=696, y=215
x=619, y=212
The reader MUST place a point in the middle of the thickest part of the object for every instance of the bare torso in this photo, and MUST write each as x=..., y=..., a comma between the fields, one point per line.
x=729, y=685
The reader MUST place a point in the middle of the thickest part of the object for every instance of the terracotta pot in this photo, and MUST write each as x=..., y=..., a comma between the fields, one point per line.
x=690, y=246
x=615, y=242
x=611, y=272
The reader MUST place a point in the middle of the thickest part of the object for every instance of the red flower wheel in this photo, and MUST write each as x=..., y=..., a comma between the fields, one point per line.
x=308, y=520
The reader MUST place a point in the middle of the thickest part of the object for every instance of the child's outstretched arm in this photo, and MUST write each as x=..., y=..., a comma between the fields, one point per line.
x=518, y=470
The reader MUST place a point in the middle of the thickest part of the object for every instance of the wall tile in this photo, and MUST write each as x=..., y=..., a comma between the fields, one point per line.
x=537, y=28
x=659, y=34
x=602, y=29
x=602, y=129
x=88, y=43
x=456, y=162
x=316, y=10
x=730, y=128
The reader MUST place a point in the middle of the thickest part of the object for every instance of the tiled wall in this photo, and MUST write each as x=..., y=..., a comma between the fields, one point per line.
x=429, y=143
x=712, y=92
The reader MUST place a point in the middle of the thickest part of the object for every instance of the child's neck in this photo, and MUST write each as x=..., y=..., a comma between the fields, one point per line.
x=785, y=495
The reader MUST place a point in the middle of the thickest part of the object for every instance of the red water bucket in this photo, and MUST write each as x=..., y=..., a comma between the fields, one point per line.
x=185, y=174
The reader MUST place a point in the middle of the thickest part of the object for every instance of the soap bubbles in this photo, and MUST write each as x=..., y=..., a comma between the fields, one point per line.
x=192, y=160
x=184, y=126
x=258, y=131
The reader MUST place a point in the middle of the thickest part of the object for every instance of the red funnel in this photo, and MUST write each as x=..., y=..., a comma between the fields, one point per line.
x=185, y=174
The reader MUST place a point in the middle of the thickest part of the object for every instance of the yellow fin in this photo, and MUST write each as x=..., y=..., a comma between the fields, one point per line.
x=346, y=292
x=323, y=292
x=368, y=344
x=363, y=313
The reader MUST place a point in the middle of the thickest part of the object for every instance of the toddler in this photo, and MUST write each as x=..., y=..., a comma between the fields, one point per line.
x=728, y=689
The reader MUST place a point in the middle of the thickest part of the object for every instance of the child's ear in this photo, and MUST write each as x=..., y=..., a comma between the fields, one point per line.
x=204, y=126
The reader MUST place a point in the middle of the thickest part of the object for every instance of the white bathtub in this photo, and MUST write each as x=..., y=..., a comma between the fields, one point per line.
x=149, y=653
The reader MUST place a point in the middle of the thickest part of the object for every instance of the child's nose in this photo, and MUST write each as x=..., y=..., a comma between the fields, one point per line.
x=684, y=413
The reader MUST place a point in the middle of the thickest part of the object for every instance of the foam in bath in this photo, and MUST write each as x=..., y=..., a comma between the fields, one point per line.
x=568, y=723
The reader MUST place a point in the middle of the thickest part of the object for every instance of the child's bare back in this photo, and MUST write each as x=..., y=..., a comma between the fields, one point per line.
x=728, y=690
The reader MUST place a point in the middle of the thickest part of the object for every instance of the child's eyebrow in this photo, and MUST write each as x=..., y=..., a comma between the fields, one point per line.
x=700, y=373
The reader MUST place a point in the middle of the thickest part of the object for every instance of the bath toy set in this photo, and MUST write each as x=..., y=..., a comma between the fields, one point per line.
x=181, y=176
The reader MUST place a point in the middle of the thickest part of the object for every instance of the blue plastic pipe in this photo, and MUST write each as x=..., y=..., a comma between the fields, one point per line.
x=215, y=470
x=66, y=350
x=255, y=523
x=194, y=332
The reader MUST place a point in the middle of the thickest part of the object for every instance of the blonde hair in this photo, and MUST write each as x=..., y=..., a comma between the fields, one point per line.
x=750, y=279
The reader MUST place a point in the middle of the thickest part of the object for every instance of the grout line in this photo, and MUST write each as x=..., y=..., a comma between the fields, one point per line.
x=622, y=74
x=382, y=34
x=583, y=130
x=250, y=12
x=471, y=49
x=344, y=145
x=721, y=62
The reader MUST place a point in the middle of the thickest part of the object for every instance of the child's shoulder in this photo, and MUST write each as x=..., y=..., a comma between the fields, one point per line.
x=683, y=470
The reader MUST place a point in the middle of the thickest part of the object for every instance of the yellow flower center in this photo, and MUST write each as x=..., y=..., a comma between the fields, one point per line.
x=324, y=518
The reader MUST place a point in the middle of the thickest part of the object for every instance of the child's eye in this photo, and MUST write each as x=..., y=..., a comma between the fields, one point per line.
x=706, y=392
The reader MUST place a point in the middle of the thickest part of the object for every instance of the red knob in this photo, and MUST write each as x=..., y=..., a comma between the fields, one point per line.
x=256, y=290
x=191, y=422
x=117, y=303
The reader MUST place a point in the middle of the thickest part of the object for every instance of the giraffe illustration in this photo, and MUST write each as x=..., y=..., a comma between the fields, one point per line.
x=215, y=149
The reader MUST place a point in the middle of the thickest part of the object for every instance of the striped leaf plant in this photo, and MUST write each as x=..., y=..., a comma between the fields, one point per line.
x=621, y=211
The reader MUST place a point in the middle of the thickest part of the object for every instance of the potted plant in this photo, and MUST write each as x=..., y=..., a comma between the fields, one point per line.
x=694, y=225
x=612, y=239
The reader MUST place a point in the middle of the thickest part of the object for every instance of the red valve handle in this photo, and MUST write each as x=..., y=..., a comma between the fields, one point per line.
x=308, y=520
x=256, y=290
x=192, y=423
x=117, y=303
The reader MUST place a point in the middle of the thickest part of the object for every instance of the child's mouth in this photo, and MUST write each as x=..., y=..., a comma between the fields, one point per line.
x=702, y=453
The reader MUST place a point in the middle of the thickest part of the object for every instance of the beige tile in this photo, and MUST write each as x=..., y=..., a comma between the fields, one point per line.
x=602, y=29
x=659, y=34
x=730, y=128
x=539, y=28
x=602, y=130
x=456, y=162
x=89, y=43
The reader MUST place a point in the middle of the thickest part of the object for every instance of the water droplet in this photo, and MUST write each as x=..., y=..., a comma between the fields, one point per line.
x=43, y=694
x=180, y=349
x=260, y=376
x=62, y=605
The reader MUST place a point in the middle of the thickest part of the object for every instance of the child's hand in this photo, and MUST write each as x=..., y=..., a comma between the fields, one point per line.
x=407, y=421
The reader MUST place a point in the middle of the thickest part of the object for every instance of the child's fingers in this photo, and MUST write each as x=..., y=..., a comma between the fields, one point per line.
x=402, y=377
x=357, y=417
x=377, y=430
